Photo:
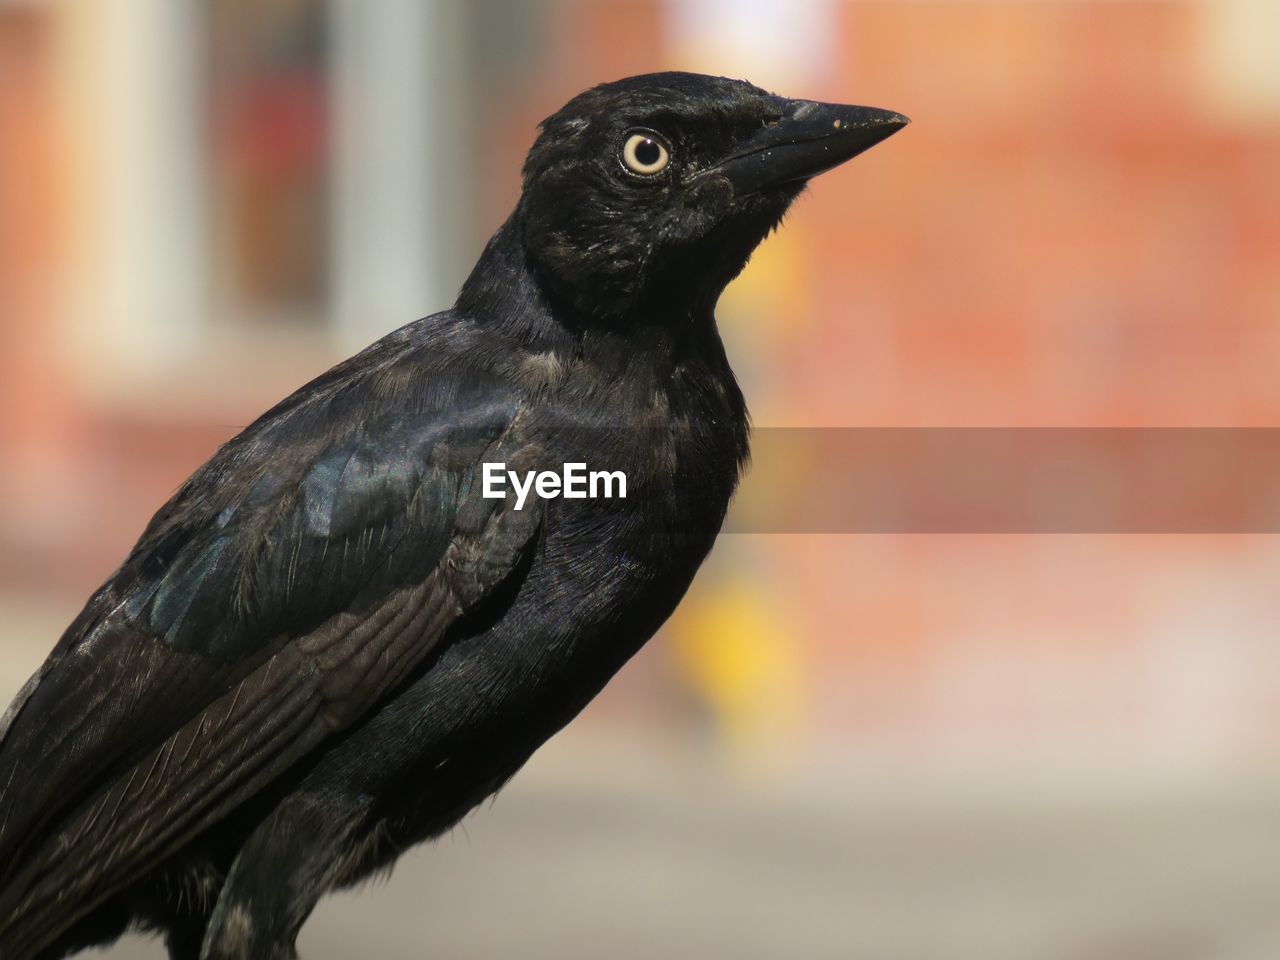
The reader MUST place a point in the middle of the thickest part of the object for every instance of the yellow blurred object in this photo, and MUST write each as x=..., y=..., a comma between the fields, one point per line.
x=735, y=650
x=773, y=297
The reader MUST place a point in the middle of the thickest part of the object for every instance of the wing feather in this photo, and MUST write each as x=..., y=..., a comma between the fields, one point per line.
x=289, y=586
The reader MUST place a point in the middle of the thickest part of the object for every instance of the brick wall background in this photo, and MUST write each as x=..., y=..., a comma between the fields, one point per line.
x=1080, y=228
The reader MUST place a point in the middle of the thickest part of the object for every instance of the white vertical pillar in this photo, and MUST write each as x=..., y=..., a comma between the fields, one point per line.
x=783, y=44
x=1240, y=51
x=137, y=131
x=398, y=106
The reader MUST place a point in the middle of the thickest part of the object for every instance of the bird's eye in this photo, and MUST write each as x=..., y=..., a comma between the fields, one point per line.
x=644, y=153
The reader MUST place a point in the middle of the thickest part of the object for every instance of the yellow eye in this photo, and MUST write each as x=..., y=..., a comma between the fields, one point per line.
x=645, y=154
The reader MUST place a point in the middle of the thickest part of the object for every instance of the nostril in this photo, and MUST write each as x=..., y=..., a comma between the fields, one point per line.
x=803, y=109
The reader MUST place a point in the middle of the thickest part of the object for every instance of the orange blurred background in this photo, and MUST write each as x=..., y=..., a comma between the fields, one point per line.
x=888, y=746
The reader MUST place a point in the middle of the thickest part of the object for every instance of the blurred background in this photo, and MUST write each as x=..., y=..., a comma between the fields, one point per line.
x=895, y=747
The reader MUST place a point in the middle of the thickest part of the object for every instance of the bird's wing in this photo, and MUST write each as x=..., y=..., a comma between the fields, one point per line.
x=294, y=581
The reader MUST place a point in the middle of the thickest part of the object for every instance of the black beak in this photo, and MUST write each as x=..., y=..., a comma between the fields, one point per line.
x=808, y=138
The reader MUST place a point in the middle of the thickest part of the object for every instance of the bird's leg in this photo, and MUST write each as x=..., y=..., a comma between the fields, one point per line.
x=289, y=862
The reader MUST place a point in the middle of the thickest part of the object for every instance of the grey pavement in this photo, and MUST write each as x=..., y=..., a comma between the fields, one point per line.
x=623, y=842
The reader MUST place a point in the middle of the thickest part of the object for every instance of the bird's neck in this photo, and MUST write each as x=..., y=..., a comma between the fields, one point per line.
x=507, y=291
x=503, y=293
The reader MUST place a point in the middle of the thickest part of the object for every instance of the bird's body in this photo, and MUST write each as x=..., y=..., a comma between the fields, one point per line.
x=330, y=645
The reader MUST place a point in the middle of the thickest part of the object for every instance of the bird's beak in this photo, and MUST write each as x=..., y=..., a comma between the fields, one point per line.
x=808, y=138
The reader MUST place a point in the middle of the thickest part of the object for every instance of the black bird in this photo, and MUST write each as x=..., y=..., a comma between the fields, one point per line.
x=330, y=644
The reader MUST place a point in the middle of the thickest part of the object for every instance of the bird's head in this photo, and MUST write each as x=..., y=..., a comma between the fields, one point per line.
x=650, y=193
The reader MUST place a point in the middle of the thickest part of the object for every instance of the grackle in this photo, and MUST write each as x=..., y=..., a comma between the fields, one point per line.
x=333, y=641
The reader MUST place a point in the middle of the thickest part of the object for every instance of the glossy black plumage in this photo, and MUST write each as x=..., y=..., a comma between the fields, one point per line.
x=328, y=645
